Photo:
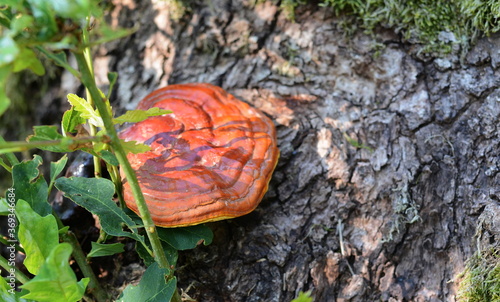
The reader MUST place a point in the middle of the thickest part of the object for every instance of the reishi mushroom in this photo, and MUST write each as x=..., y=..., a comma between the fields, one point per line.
x=211, y=159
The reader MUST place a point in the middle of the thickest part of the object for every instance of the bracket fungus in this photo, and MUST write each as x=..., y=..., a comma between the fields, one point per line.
x=211, y=159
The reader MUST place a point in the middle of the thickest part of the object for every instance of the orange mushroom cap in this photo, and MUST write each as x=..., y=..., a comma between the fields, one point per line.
x=211, y=159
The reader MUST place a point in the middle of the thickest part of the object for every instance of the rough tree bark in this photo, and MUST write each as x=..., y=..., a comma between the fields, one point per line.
x=389, y=160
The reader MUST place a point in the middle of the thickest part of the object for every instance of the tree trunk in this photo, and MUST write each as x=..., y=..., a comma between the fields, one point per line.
x=389, y=160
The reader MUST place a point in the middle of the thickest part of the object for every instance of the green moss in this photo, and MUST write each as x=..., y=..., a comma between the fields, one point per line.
x=425, y=22
x=480, y=282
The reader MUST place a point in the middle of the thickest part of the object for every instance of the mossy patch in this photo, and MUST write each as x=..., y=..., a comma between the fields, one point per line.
x=480, y=281
x=438, y=25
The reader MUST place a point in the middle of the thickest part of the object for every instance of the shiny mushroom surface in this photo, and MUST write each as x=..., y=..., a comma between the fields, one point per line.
x=211, y=159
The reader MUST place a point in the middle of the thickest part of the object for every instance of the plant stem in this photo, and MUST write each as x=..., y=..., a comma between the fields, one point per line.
x=19, y=146
x=88, y=59
x=87, y=271
x=19, y=275
x=5, y=166
x=100, y=103
x=10, y=156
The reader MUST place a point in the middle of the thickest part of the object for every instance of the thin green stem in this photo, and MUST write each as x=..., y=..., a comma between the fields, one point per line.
x=100, y=103
x=87, y=271
x=18, y=274
x=88, y=59
x=10, y=156
x=19, y=146
x=59, y=60
x=115, y=177
x=5, y=166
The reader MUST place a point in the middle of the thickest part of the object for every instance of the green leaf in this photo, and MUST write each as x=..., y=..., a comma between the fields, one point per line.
x=45, y=133
x=72, y=9
x=109, y=157
x=12, y=3
x=171, y=253
x=86, y=111
x=56, y=281
x=4, y=100
x=50, y=133
x=95, y=195
x=71, y=119
x=152, y=287
x=99, y=249
x=186, y=238
x=303, y=297
x=56, y=168
x=30, y=186
x=143, y=253
x=28, y=59
x=108, y=33
x=63, y=230
x=134, y=147
x=21, y=23
x=60, y=59
x=8, y=294
x=45, y=17
x=38, y=235
x=134, y=116
x=8, y=50
x=4, y=207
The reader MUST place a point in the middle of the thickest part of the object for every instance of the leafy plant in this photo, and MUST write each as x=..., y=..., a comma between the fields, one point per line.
x=303, y=297
x=54, y=29
x=479, y=282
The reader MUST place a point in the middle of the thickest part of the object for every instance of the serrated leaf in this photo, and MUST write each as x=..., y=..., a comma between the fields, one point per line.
x=56, y=281
x=50, y=133
x=71, y=119
x=134, y=147
x=8, y=294
x=151, y=288
x=38, y=235
x=100, y=250
x=46, y=133
x=95, y=195
x=187, y=237
x=87, y=112
x=30, y=186
x=135, y=116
